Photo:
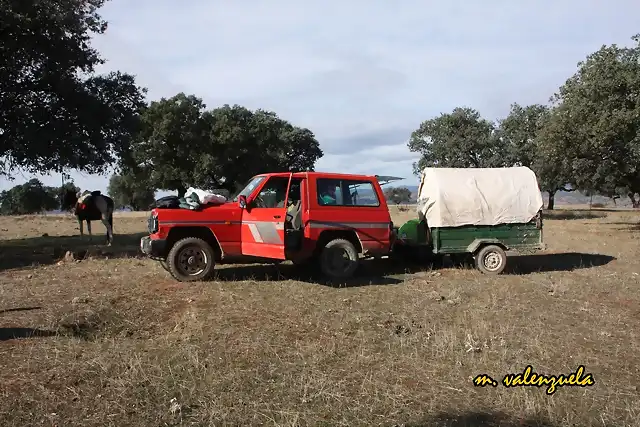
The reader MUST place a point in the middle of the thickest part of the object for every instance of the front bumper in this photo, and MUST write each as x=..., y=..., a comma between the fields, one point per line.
x=153, y=248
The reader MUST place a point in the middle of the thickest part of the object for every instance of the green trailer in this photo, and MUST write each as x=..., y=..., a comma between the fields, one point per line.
x=478, y=212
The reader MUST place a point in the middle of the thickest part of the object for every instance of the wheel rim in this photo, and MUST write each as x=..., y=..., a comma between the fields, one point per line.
x=192, y=261
x=492, y=261
x=339, y=260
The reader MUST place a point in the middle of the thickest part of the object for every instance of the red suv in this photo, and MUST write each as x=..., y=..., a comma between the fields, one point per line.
x=330, y=219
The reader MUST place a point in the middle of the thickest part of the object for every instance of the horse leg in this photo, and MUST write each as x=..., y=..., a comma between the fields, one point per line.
x=108, y=225
x=89, y=230
x=81, y=227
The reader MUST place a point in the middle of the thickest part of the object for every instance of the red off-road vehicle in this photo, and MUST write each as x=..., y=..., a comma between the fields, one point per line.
x=329, y=219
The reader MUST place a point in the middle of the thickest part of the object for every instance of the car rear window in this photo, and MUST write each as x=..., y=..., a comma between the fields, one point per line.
x=346, y=192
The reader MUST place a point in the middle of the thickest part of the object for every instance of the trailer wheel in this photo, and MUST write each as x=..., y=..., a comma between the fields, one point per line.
x=491, y=259
x=191, y=259
x=339, y=259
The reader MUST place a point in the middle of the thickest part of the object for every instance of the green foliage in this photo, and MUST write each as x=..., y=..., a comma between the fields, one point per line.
x=459, y=139
x=68, y=186
x=596, y=128
x=54, y=111
x=172, y=137
x=182, y=144
x=28, y=198
x=132, y=190
x=523, y=131
x=519, y=132
x=397, y=195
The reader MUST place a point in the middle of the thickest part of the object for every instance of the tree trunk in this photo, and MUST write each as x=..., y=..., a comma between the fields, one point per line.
x=552, y=201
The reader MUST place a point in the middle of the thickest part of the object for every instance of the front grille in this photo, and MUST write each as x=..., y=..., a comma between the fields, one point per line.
x=152, y=224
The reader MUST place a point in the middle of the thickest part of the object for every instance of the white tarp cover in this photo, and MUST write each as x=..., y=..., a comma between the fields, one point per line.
x=451, y=197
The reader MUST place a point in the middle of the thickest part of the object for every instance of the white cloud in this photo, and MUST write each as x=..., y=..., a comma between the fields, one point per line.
x=359, y=69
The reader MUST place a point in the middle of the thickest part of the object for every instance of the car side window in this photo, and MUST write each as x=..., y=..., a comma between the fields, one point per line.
x=346, y=192
x=273, y=194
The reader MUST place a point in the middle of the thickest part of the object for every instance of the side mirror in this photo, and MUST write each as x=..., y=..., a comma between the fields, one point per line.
x=242, y=201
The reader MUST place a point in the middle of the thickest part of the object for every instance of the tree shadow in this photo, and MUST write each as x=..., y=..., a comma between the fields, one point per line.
x=18, y=333
x=630, y=226
x=10, y=310
x=18, y=253
x=571, y=214
x=568, y=261
x=481, y=419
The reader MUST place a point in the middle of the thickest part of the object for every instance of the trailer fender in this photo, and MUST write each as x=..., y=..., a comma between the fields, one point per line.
x=477, y=243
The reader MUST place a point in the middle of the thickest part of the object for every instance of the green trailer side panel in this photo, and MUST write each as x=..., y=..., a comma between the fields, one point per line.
x=513, y=236
x=413, y=232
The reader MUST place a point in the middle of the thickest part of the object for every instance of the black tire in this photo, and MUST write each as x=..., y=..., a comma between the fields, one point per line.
x=329, y=257
x=187, y=251
x=491, y=260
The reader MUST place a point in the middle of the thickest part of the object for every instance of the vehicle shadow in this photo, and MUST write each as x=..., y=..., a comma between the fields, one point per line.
x=395, y=271
x=567, y=261
x=366, y=276
x=517, y=264
x=18, y=253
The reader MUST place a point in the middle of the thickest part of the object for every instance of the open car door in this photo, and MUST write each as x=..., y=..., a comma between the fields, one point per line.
x=263, y=219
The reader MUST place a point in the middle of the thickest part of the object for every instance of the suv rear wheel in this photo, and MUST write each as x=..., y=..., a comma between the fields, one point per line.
x=339, y=259
x=191, y=259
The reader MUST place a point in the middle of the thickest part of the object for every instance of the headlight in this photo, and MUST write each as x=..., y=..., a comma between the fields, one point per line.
x=152, y=224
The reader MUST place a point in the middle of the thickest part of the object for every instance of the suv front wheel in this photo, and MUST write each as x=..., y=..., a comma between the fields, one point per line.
x=191, y=259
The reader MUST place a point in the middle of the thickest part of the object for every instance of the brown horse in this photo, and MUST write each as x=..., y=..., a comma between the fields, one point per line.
x=91, y=206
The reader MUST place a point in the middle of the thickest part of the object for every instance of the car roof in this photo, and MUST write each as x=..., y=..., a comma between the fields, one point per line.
x=333, y=175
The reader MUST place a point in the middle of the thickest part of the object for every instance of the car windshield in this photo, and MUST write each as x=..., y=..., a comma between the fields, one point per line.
x=248, y=189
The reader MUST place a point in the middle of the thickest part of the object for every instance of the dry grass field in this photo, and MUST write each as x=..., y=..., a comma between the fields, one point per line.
x=111, y=340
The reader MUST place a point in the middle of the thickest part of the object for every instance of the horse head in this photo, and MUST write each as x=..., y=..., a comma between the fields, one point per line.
x=69, y=200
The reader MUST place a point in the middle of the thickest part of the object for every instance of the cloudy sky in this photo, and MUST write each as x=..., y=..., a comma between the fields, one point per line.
x=361, y=74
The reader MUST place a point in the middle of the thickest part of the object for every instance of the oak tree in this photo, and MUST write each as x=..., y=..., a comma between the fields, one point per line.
x=183, y=144
x=170, y=143
x=397, y=195
x=597, y=126
x=521, y=131
x=131, y=190
x=28, y=198
x=55, y=112
x=459, y=139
